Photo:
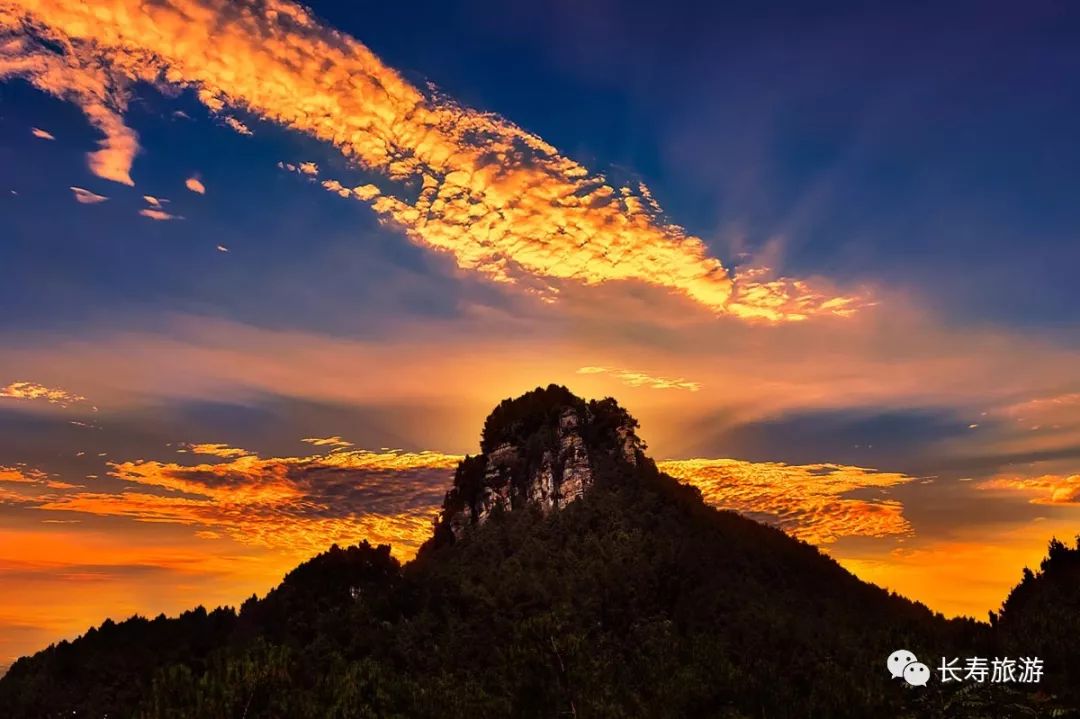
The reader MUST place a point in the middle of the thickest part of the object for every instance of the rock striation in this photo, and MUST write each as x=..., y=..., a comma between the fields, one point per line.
x=540, y=450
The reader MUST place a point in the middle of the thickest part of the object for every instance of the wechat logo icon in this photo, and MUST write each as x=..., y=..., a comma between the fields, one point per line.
x=904, y=664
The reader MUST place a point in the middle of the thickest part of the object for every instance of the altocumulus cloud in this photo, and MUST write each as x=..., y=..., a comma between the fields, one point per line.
x=392, y=496
x=807, y=501
x=499, y=200
x=286, y=503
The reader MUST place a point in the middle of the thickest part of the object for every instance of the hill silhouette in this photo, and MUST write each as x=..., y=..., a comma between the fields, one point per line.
x=566, y=576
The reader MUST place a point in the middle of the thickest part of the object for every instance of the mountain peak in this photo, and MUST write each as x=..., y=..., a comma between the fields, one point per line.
x=541, y=450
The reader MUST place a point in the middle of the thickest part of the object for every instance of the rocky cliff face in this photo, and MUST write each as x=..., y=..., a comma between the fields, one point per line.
x=539, y=450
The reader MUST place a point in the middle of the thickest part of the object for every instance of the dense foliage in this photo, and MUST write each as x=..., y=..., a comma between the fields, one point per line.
x=637, y=600
x=1041, y=617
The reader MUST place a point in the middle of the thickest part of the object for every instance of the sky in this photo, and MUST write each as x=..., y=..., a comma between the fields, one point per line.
x=266, y=268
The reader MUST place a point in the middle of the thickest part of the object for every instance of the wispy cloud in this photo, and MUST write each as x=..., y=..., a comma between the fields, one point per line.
x=195, y=185
x=77, y=74
x=87, y=197
x=497, y=199
x=35, y=391
x=237, y=125
x=334, y=441
x=158, y=215
x=42, y=134
x=808, y=501
x=641, y=379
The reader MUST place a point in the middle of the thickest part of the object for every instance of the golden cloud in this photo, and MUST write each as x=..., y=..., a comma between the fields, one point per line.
x=34, y=391
x=288, y=503
x=641, y=379
x=392, y=496
x=497, y=199
x=1045, y=489
x=42, y=134
x=29, y=485
x=218, y=450
x=807, y=501
x=195, y=185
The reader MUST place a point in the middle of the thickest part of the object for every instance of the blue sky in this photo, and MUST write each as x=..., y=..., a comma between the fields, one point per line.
x=781, y=237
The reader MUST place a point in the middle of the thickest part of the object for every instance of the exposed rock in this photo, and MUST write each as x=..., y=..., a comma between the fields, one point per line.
x=541, y=452
x=574, y=457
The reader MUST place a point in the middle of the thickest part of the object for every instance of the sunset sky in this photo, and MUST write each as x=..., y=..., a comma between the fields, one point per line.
x=267, y=268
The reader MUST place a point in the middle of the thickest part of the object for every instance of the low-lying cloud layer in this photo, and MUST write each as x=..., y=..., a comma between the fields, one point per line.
x=289, y=503
x=807, y=501
x=496, y=198
x=391, y=496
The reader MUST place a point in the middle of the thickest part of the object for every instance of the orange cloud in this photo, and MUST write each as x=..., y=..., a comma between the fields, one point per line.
x=1046, y=489
x=86, y=197
x=42, y=134
x=391, y=496
x=499, y=200
x=288, y=503
x=308, y=503
x=641, y=379
x=21, y=474
x=807, y=501
x=34, y=391
x=195, y=185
